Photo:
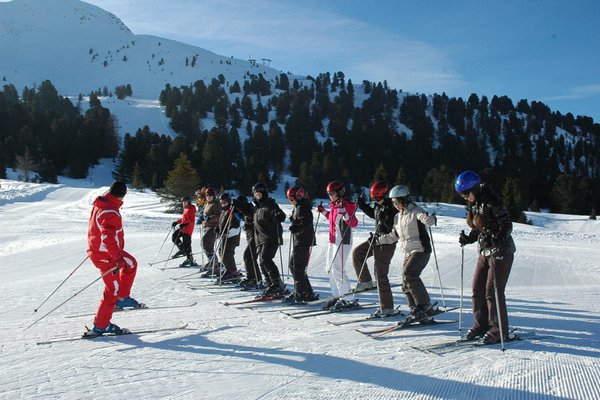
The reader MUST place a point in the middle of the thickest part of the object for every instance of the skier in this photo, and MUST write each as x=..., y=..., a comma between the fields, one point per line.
x=210, y=221
x=106, y=251
x=341, y=221
x=491, y=228
x=253, y=278
x=383, y=212
x=268, y=235
x=200, y=200
x=229, y=229
x=303, y=238
x=409, y=229
x=182, y=236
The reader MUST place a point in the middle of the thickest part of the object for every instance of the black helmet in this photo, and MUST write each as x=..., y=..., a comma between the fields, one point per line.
x=225, y=197
x=260, y=187
x=186, y=199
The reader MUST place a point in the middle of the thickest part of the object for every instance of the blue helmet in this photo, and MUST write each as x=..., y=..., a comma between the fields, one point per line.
x=466, y=180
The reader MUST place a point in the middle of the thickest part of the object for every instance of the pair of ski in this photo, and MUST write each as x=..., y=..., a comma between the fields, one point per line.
x=170, y=259
x=409, y=323
x=259, y=299
x=316, y=312
x=455, y=345
x=88, y=335
x=351, y=293
x=168, y=306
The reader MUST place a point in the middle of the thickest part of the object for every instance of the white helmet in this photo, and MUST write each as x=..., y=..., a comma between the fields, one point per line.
x=399, y=191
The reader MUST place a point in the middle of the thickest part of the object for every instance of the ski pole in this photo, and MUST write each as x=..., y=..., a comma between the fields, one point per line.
x=462, y=270
x=314, y=239
x=437, y=267
x=161, y=246
x=366, y=256
x=115, y=268
x=171, y=251
x=493, y=266
x=62, y=283
x=254, y=256
x=280, y=256
x=346, y=226
x=202, y=238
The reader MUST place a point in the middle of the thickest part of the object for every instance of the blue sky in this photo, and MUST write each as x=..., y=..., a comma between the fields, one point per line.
x=547, y=51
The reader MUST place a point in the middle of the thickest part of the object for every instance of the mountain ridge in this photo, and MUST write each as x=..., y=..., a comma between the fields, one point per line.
x=83, y=48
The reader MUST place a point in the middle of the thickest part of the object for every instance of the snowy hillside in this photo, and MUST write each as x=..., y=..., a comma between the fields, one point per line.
x=260, y=353
x=80, y=48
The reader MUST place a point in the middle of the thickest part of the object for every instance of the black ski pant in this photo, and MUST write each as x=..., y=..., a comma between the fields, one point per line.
x=208, y=242
x=412, y=285
x=298, y=265
x=266, y=253
x=183, y=241
x=383, y=256
x=251, y=261
x=227, y=251
x=485, y=315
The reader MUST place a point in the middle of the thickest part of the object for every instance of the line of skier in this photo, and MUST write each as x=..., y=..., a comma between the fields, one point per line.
x=397, y=219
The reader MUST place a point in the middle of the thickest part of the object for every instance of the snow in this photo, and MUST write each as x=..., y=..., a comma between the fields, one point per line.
x=260, y=353
x=236, y=352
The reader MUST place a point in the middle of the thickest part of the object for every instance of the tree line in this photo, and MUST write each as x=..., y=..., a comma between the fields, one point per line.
x=322, y=129
x=45, y=134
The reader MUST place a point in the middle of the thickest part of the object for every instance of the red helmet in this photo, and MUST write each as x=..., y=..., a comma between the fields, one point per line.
x=211, y=191
x=378, y=190
x=336, y=187
x=295, y=192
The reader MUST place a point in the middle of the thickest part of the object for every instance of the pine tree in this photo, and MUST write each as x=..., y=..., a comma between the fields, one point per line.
x=512, y=198
x=26, y=164
x=182, y=181
x=137, y=179
x=380, y=174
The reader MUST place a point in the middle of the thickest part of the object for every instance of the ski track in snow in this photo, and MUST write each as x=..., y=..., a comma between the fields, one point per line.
x=239, y=353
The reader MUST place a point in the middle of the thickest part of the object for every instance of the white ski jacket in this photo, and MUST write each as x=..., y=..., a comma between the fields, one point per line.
x=409, y=229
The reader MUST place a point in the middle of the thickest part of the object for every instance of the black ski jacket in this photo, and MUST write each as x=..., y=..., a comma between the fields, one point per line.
x=247, y=210
x=267, y=222
x=490, y=222
x=383, y=214
x=302, y=229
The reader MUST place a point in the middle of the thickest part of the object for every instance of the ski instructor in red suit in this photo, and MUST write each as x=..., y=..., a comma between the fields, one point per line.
x=106, y=250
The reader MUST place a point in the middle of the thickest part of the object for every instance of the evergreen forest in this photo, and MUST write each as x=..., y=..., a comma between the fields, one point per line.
x=319, y=129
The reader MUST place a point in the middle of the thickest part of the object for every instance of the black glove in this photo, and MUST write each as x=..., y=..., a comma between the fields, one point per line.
x=294, y=228
x=291, y=218
x=361, y=201
x=174, y=224
x=464, y=239
x=184, y=225
x=374, y=237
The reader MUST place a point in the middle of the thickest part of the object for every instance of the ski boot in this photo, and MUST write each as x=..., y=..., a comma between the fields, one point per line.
x=230, y=277
x=342, y=304
x=385, y=313
x=276, y=289
x=472, y=334
x=128, y=302
x=362, y=286
x=110, y=329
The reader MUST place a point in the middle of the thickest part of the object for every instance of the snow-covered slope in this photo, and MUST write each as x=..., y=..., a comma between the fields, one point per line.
x=259, y=353
x=80, y=48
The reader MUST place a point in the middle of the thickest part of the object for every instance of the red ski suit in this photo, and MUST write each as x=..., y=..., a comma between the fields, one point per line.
x=105, y=248
x=189, y=218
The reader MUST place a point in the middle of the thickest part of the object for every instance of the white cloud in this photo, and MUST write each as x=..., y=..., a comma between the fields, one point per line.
x=579, y=92
x=296, y=39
